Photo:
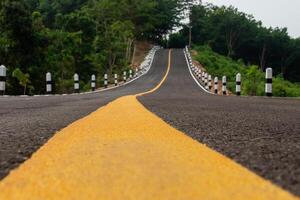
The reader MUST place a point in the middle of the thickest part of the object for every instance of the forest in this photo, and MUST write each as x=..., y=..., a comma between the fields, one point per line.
x=99, y=36
x=77, y=36
x=241, y=37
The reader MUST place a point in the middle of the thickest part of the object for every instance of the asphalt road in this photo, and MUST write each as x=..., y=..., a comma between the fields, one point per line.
x=28, y=122
x=262, y=134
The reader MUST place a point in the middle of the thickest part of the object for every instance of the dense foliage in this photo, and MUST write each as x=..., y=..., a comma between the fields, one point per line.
x=253, y=79
x=82, y=36
x=239, y=36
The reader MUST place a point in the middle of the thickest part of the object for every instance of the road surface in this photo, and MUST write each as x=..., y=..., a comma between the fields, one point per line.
x=262, y=134
x=123, y=149
x=28, y=122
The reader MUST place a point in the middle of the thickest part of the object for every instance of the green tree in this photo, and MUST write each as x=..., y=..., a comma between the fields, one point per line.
x=253, y=81
x=82, y=36
x=24, y=79
x=239, y=36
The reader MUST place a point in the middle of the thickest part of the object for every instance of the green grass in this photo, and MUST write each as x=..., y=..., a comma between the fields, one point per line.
x=253, y=79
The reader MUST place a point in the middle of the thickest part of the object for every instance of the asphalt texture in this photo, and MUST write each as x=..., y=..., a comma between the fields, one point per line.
x=262, y=134
x=29, y=122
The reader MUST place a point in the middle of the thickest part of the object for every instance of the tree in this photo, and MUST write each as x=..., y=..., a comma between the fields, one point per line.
x=239, y=36
x=24, y=79
x=82, y=36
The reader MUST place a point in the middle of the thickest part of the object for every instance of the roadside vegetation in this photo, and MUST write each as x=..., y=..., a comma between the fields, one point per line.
x=253, y=79
x=239, y=36
x=81, y=36
x=99, y=36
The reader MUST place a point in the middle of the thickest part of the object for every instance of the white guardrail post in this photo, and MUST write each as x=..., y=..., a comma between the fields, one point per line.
x=125, y=76
x=48, y=83
x=116, y=79
x=76, y=83
x=224, y=86
x=206, y=81
x=2, y=79
x=269, y=81
x=93, y=82
x=105, y=80
x=216, y=87
x=238, y=84
x=209, y=82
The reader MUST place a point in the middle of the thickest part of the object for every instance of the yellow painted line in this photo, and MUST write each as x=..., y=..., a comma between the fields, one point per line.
x=122, y=152
x=163, y=79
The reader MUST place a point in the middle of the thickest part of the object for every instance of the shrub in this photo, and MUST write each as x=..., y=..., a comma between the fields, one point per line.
x=253, y=79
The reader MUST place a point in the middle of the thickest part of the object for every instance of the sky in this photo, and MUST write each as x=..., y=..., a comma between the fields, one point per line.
x=274, y=13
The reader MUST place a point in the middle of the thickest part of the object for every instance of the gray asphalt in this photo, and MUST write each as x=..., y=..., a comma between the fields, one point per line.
x=262, y=134
x=28, y=122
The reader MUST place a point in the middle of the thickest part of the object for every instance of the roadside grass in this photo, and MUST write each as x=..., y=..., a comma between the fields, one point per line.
x=253, y=79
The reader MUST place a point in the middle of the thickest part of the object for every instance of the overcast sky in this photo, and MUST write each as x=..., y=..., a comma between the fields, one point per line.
x=275, y=13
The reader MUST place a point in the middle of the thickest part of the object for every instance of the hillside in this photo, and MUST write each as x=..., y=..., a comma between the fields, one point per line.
x=239, y=36
x=253, y=79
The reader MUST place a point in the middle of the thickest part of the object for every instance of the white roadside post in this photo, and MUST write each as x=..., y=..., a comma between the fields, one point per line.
x=105, y=80
x=130, y=74
x=238, y=84
x=206, y=81
x=76, y=83
x=2, y=79
x=125, y=76
x=116, y=79
x=136, y=71
x=199, y=73
x=93, y=82
x=48, y=83
x=203, y=76
x=209, y=82
x=216, y=87
x=224, y=86
x=269, y=81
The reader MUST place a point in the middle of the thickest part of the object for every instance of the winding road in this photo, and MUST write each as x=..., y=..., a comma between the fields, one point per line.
x=141, y=154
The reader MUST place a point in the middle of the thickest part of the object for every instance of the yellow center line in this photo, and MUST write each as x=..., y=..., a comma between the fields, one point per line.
x=122, y=152
x=163, y=80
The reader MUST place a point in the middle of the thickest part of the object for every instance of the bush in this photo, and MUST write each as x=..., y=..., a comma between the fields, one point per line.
x=253, y=79
x=64, y=86
x=283, y=88
x=253, y=82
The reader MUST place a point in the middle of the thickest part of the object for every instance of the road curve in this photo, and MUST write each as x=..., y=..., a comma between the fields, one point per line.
x=29, y=122
x=262, y=134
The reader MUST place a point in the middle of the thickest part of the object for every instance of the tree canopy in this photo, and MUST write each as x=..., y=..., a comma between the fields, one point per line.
x=238, y=35
x=82, y=36
x=98, y=36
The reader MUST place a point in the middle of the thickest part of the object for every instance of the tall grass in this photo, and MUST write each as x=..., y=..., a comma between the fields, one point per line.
x=253, y=79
